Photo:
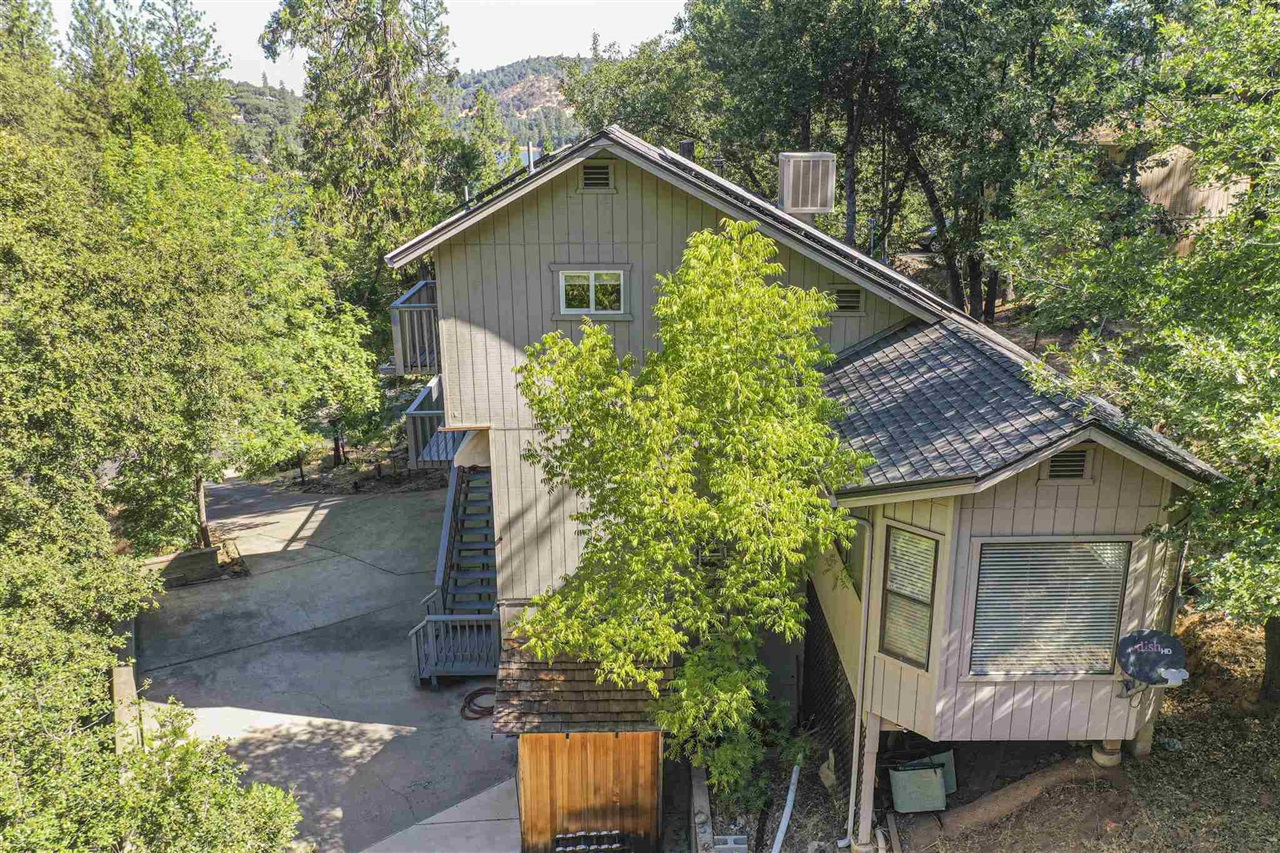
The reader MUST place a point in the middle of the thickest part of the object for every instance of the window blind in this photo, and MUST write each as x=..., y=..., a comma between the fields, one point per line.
x=1048, y=607
x=907, y=615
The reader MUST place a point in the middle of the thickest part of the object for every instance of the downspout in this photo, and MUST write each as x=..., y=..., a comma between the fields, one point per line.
x=860, y=688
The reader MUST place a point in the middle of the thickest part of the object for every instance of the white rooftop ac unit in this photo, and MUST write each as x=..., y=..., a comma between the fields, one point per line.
x=807, y=181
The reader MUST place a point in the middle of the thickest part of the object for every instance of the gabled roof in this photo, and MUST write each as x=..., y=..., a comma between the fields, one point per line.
x=980, y=369
x=937, y=403
x=879, y=278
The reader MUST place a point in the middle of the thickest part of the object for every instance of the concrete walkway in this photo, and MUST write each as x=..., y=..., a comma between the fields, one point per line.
x=304, y=666
x=489, y=822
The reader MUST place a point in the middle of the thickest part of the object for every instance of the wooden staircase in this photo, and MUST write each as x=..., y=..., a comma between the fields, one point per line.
x=460, y=634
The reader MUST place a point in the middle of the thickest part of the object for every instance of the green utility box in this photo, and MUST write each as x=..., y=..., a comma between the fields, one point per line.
x=919, y=786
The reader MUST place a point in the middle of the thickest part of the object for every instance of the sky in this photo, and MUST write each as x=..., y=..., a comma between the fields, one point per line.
x=485, y=33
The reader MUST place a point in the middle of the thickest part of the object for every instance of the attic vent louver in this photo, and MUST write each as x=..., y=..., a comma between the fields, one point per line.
x=807, y=182
x=848, y=299
x=597, y=176
x=1069, y=465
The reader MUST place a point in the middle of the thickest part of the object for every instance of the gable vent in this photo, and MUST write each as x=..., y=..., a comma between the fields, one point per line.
x=848, y=299
x=1069, y=465
x=597, y=176
x=807, y=182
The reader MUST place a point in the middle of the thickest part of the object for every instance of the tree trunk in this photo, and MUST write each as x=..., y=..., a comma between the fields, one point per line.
x=202, y=516
x=993, y=293
x=1271, y=670
x=338, y=456
x=973, y=264
x=956, y=285
x=854, y=113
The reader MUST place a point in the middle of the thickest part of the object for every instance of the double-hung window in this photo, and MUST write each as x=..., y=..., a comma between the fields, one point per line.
x=906, y=621
x=591, y=291
x=1049, y=608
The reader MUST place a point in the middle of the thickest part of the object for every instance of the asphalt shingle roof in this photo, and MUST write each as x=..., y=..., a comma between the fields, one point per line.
x=936, y=401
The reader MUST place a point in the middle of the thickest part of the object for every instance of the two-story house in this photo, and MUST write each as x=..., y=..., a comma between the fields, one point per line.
x=1004, y=543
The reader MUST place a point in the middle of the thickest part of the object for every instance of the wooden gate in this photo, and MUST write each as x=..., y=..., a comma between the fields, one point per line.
x=590, y=781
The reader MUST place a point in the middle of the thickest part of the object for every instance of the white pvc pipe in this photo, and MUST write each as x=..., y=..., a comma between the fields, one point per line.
x=786, y=813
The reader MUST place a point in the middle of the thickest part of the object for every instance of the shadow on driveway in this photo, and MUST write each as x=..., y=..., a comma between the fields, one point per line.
x=304, y=665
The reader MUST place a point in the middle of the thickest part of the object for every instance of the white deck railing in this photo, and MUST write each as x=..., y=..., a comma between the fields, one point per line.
x=415, y=331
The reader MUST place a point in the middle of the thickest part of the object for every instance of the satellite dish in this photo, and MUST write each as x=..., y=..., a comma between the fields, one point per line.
x=1153, y=657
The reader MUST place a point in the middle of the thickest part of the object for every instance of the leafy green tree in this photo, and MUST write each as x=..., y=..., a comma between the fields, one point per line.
x=488, y=135
x=250, y=342
x=705, y=476
x=153, y=107
x=1188, y=342
x=76, y=361
x=96, y=59
x=192, y=59
x=378, y=151
x=954, y=93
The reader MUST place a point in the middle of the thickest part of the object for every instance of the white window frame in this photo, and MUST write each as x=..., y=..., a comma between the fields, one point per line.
x=971, y=612
x=622, y=292
x=885, y=592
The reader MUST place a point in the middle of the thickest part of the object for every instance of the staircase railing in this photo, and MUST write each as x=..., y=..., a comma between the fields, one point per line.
x=452, y=643
x=455, y=644
x=415, y=330
x=446, y=528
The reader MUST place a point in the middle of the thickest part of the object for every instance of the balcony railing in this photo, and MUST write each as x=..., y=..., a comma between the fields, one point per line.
x=415, y=331
x=429, y=447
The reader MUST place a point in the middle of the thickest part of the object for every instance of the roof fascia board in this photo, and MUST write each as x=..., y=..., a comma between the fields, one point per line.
x=413, y=250
x=674, y=177
x=925, y=490
x=1134, y=454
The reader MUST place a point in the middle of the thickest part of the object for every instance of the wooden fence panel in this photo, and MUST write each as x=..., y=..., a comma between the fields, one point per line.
x=590, y=781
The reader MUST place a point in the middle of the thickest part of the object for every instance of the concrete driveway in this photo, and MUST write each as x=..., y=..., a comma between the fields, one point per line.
x=304, y=666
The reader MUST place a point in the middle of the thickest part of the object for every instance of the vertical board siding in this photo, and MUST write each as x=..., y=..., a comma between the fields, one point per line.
x=590, y=781
x=1123, y=499
x=498, y=295
x=898, y=692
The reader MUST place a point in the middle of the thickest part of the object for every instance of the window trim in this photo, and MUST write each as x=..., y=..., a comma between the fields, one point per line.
x=971, y=610
x=593, y=311
x=885, y=592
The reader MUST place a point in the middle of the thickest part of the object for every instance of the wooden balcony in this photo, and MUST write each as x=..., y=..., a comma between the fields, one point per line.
x=415, y=331
x=429, y=446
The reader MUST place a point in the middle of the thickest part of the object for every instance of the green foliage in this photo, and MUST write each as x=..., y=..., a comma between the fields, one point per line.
x=270, y=116
x=1192, y=342
x=704, y=477
x=528, y=100
x=929, y=105
x=192, y=59
x=379, y=156
x=161, y=316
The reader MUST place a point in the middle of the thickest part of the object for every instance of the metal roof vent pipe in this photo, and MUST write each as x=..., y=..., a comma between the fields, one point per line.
x=807, y=183
x=687, y=150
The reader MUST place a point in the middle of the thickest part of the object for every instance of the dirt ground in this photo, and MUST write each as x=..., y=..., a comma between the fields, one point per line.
x=1212, y=783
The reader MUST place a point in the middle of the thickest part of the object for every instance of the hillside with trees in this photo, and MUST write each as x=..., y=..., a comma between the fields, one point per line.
x=529, y=100
x=268, y=118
